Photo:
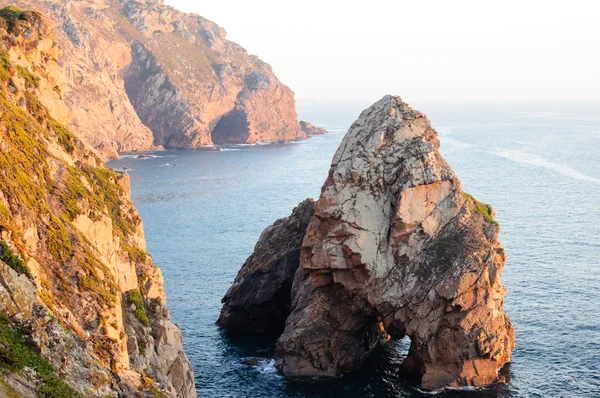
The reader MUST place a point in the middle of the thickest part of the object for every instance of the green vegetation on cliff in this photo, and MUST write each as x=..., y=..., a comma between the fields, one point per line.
x=11, y=14
x=12, y=260
x=15, y=355
x=482, y=209
x=135, y=297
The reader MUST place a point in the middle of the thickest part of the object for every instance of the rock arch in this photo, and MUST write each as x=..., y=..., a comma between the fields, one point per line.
x=395, y=245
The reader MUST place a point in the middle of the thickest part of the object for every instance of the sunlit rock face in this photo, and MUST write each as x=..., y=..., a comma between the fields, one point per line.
x=396, y=247
x=141, y=74
x=75, y=279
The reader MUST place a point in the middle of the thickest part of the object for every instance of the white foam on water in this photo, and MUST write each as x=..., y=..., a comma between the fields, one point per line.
x=451, y=143
x=524, y=157
x=267, y=368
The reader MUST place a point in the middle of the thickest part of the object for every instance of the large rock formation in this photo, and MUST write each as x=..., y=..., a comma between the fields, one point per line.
x=74, y=277
x=260, y=299
x=131, y=64
x=395, y=246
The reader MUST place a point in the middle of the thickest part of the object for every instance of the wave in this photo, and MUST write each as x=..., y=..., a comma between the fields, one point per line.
x=267, y=368
x=444, y=132
x=523, y=157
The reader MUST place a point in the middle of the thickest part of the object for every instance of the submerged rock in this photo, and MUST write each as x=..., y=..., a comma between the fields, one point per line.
x=260, y=299
x=395, y=246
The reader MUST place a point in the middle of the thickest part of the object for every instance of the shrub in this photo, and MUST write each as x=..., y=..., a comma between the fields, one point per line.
x=135, y=297
x=12, y=260
x=31, y=80
x=481, y=208
x=16, y=355
x=11, y=14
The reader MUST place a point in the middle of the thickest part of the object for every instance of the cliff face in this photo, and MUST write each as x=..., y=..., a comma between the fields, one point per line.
x=75, y=279
x=396, y=247
x=131, y=64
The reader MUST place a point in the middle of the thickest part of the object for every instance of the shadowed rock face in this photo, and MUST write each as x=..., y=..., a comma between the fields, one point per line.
x=396, y=245
x=260, y=299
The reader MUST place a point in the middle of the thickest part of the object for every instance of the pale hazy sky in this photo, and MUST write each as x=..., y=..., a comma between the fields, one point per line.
x=420, y=49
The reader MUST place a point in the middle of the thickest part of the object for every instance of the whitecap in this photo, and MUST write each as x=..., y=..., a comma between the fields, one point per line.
x=267, y=368
x=523, y=157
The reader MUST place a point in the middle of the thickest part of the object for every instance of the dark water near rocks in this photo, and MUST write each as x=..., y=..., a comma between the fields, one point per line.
x=538, y=165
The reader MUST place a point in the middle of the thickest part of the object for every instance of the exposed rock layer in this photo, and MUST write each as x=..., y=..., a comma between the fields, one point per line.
x=131, y=64
x=74, y=275
x=396, y=246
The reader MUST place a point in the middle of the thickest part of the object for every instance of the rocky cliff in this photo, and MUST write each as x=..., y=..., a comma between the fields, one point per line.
x=310, y=129
x=395, y=247
x=131, y=64
x=82, y=307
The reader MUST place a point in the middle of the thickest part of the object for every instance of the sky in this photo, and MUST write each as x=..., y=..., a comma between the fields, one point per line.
x=422, y=50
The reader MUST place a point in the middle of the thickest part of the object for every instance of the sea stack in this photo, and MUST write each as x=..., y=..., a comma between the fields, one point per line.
x=395, y=247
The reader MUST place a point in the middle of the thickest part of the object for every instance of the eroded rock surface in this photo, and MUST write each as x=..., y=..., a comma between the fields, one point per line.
x=139, y=74
x=74, y=274
x=260, y=299
x=395, y=246
x=310, y=129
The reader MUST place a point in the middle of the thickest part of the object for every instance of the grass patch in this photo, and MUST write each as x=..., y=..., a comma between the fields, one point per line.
x=15, y=355
x=12, y=260
x=65, y=137
x=136, y=255
x=31, y=80
x=481, y=208
x=5, y=75
x=11, y=15
x=59, y=240
x=135, y=297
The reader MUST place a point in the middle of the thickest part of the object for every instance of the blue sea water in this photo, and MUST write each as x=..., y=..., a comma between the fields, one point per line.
x=539, y=165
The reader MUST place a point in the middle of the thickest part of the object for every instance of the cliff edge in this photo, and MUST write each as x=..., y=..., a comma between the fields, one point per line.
x=142, y=74
x=82, y=308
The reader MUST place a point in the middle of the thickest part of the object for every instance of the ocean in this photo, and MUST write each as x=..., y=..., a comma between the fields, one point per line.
x=537, y=164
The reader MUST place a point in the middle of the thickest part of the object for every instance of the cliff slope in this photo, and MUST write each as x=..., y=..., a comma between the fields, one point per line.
x=83, y=310
x=131, y=64
x=395, y=247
